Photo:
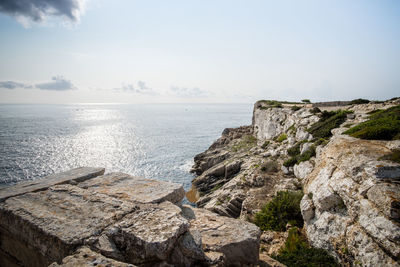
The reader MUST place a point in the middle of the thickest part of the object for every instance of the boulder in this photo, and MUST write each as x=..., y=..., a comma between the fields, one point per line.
x=303, y=169
x=237, y=240
x=149, y=234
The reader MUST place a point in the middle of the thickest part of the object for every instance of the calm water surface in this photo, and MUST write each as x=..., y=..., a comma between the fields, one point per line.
x=153, y=140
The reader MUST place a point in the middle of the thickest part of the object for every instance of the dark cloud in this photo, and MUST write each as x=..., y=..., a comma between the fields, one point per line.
x=58, y=83
x=140, y=88
x=13, y=85
x=189, y=92
x=38, y=10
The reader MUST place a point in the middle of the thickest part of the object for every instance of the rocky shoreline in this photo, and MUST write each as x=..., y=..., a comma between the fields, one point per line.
x=351, y=201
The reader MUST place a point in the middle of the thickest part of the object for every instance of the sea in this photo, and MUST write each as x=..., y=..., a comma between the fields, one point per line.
x=157, y=141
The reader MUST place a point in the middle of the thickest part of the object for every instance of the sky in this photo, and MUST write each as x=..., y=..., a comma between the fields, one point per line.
x=222, y=51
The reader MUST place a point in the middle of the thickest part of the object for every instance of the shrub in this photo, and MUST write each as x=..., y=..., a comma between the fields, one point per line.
x=281, y=138
x=295, y=108
x=306, y=101
x=382, y=125
x=270, y=166
x=282, y=209
x=290, y=162
x=327, y=122
x=265, y=145
x=315, y=110
x=270, y=104
x=359, y=101
x=298, y=253
x=306, y=155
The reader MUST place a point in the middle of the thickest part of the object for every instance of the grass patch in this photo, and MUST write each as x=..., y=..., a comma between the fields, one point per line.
x=329, y=120
x=282, y=209
x=296, y=157
x=290, y=162
x=270, y=166
x=215, y=188
x=292, y=129
x=298, y=253
x=306, y=155
x=382, y=125
x=246, y=142
x=295, y=108
x=281, y=138
x=394, y=156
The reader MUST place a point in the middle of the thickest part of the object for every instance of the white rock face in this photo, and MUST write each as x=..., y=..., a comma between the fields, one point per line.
x=271, y=122
x=303, y=169
x=353, y=209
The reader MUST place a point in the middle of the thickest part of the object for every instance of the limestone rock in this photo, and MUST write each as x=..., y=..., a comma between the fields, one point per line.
x=72, y=177
x=149, y=234
x=49, y=225
x=347, y=172
x=237, y=240
x=86, y=257
x=303, y=169
x=135, y=189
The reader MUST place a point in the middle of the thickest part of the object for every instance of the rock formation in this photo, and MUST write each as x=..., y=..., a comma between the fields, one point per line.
x=76, y=218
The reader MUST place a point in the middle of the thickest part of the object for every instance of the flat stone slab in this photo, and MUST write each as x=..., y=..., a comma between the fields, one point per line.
x=86, y=257
x=237, y=240
x=136, y=189
x=51, y=224
x=72, y=176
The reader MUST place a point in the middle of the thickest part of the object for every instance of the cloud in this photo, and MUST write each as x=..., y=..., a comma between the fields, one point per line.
x=188, y=92
x=38, y=10
x=13, y=85
x=58, y=83
x=140, y=88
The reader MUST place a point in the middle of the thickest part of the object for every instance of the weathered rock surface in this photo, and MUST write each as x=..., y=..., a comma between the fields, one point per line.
x=136, y=189
x=86, y=257
x=220, y=234
x=72, y=176
x=352, y=209
x=117, y=220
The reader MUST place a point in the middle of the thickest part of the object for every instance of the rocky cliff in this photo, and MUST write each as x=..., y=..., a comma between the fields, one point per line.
x=351, y=201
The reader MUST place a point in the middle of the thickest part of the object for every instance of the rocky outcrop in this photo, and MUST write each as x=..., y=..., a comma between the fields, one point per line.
x=351, y=206
x=117, y=220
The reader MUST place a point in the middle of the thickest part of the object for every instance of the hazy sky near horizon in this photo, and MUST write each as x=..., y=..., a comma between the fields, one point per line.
x=198, y=51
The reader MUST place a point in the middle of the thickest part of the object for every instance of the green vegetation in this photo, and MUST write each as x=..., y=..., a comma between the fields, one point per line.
x=215, y=188
x=306, y=101
x=292, y=129
x=310, y=195
x=265, y=145
x=315, y=110
x=329, y=120
x=270, y=104
x=382, y=125
x=270, y=166
x=298, y=253
x=281, y=138
x=246, y=142
x=359, y=101
x=394, y=156
x=296, y=157
x=295, y=108
x=282, y=209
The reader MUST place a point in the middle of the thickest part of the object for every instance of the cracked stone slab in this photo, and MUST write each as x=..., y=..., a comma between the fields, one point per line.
x=72, y=176
x=48, y=225
x=86, y=257
x=237, y=240
x=149, y=234
x=136, y=189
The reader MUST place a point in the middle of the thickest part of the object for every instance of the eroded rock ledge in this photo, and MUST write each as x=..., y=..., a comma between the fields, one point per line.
x=84, y=218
